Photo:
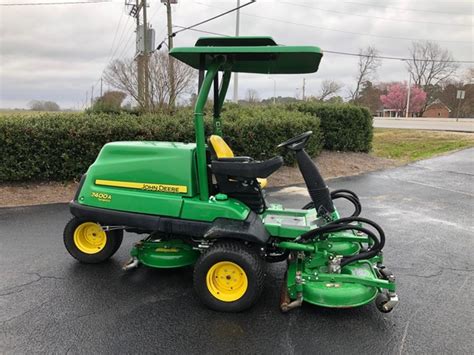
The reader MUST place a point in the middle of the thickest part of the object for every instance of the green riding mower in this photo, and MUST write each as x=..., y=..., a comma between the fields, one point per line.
x=198, y=204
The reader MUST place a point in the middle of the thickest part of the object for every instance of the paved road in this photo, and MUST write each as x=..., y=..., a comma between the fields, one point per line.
x=51, y=304
x=464, y=125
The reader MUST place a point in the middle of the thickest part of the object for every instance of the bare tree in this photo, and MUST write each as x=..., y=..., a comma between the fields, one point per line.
x=328, y=88
x=123, y=75
x=430, y=64
x=252, y=96
x=367, y=68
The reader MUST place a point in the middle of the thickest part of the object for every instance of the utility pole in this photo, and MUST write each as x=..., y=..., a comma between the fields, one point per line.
x=146, y=56
x=236, y=75
x=144, y=44
x=408, y=97
x=92, y=96
x=100, y=86
x=140, y=71
x=87, y=99
x=170, y=60
x=304, y=87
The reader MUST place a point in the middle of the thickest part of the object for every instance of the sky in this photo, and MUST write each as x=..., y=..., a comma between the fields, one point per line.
x=59, y=52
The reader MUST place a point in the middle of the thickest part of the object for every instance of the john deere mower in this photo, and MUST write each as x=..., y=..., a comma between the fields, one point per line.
x=199, y=205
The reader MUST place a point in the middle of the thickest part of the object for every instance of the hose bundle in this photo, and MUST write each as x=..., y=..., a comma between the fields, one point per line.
x=344, y=224
x=345, y=194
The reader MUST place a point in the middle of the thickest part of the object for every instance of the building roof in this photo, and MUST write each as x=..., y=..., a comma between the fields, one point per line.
x=438, y=102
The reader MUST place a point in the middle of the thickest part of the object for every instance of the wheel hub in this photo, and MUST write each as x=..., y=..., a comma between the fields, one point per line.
x=89, y=238
x=227, y=281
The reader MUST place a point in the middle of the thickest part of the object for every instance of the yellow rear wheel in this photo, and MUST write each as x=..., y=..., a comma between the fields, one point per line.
x=227, y=281
x=90, y=238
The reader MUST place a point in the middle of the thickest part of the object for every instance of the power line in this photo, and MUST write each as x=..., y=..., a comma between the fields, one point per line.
x=115, y=36
x=403, y=9
x=214, y=17
x=341, y=31
x=119, y=41
x=403, y=59
x=375, y=17
x=400, y=58
x=56, y=3
x=202, y=31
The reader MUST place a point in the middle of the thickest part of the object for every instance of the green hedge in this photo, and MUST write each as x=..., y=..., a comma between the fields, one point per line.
x=61, y=146
x=345, y=127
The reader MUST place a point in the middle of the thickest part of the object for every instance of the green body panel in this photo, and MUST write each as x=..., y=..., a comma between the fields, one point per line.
x=196, y=209
x=288, y=223
x=166, y=254
x=158, y=165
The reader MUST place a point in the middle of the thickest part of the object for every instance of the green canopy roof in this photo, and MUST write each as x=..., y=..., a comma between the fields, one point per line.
x=251, y=55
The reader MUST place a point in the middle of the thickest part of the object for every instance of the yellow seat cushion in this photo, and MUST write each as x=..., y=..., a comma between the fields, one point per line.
x=263, y=182
x=222, y=150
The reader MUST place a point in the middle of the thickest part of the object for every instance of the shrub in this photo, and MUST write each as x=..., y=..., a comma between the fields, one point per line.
x=345, y=127
x=256, y=131
x=62, y=146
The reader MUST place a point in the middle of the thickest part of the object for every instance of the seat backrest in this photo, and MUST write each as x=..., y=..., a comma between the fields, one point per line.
x=220, y=147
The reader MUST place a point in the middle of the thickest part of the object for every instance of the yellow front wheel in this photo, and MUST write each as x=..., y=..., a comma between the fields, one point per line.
x=89, y=243
x=229, y=276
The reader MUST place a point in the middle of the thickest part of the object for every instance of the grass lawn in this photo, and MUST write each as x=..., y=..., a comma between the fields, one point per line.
x=409, y=145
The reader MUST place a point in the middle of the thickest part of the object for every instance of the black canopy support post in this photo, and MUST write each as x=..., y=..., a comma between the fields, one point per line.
x=201, y=71
x=223, y=89
x=217, y=114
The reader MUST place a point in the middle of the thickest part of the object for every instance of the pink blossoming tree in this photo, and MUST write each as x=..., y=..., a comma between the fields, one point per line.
x=396, y=98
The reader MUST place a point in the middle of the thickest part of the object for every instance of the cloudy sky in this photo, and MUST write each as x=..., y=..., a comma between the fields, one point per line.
x=58, y=52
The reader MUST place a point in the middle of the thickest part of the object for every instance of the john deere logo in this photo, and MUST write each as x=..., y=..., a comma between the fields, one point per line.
x=102, y=196
x=174, y=189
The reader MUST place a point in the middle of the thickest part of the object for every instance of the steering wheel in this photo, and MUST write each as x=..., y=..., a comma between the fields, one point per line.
x=296, y=143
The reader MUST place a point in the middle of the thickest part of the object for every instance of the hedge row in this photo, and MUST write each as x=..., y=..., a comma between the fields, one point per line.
x=62, y=146
x=345, y=127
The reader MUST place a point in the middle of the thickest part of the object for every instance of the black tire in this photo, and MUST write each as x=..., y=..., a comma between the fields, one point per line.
x=236, y=253
x=112, y=244
x=380, y=301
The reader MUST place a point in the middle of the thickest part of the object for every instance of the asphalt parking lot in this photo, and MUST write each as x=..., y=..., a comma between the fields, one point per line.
x=49, y=303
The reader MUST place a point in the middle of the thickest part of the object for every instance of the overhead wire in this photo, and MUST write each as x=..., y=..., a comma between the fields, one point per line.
x=374, y=17
x=403, y=9
x=338, y=30
x=214, y=17
x=203, y=31
x=57, y=3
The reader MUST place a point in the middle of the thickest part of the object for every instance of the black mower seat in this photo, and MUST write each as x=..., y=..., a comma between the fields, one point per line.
x=245, y=167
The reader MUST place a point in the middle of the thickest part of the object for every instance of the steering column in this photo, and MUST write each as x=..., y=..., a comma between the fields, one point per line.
x=317, y=188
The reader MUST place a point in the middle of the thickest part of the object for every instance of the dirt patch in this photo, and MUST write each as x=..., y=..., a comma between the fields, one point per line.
x=23, y=194
x=331, y=164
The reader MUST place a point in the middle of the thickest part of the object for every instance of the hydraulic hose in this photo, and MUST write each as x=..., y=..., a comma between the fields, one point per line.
x=345, y=194
x=343, y=224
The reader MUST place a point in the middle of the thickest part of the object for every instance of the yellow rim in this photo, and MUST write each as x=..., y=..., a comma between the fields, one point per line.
x=89, y=238
x=226, y=281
